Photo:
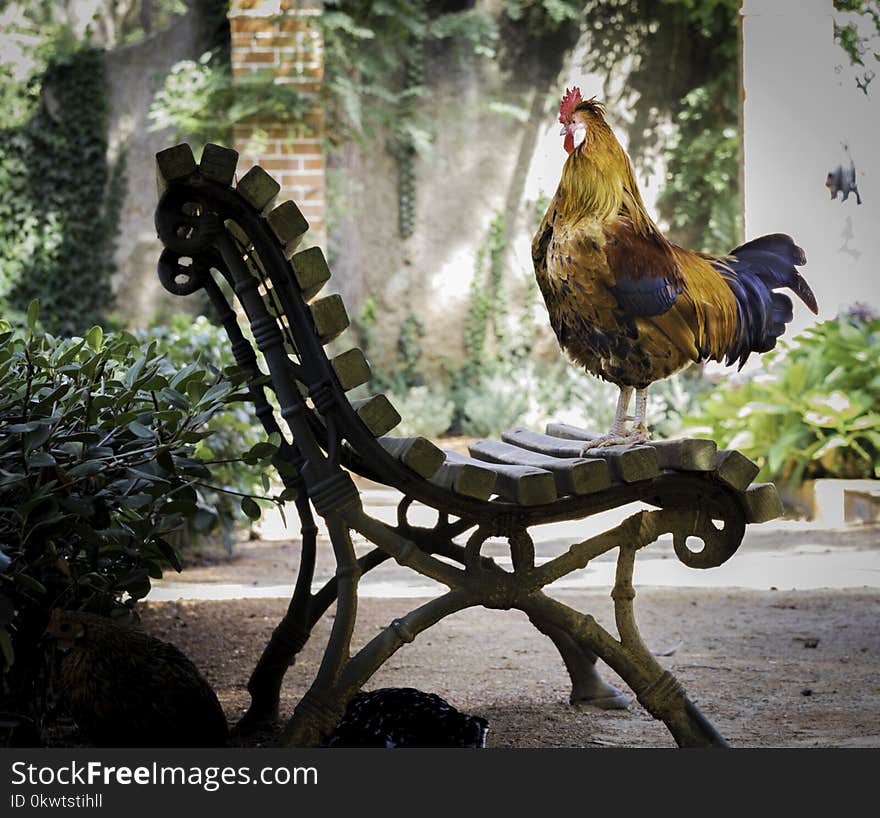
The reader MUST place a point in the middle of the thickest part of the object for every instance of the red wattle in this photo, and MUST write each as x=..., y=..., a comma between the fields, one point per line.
x=568, y=144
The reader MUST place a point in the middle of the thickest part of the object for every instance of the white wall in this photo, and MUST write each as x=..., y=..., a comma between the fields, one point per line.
x=797, y=111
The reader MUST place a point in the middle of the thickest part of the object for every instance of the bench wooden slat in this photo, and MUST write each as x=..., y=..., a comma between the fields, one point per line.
x=377, y=413
x=351, y=368
x=218, y=163
x=310, y=271
x=173, y=163
x=330, y=317
x=628, y=464
x=523, y=485
x=683, y=454
x=569, y=432
x=686, y=454
x=416, y=453
x=465, y=478
x=543, y=444
x=762, y=503
x=258, y=188
x=288, y=224
x=573, y=475
x=735, y=469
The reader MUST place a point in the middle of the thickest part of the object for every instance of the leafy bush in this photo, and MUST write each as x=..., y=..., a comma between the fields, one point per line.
x=98, y=438
x=425, y=411
x=494, y=403
x=187, y=341
x=816, y=411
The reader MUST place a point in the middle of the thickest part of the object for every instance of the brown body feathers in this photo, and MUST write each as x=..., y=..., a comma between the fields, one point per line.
x=125, y=688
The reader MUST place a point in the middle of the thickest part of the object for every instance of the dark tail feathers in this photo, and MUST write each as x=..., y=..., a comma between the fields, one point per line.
x=752, y=272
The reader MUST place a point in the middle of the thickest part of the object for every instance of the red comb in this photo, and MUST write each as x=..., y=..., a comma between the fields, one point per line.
x=570, y=101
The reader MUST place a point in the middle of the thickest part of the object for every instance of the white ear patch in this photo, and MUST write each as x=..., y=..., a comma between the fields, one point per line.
x=580, y=134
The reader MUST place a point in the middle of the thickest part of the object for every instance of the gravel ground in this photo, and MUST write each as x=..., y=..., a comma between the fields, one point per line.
x=769, y=668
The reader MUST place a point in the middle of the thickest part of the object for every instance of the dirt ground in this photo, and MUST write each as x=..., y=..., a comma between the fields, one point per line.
x=769, y=668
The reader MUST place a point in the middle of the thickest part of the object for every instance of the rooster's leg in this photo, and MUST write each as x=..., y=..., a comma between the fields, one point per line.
x=618, y=434
x=640, y=425
x=618, y=425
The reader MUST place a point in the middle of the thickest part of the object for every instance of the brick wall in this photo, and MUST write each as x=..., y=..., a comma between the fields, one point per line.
x=281, y=36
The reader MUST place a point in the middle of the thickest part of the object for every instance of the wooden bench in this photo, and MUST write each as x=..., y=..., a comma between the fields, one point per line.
x=214, y=229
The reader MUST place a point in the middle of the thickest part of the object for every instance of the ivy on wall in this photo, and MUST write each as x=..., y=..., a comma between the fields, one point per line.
x=59, y=197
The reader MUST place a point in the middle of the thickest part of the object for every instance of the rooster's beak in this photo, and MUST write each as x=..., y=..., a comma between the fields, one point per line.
x=564, y=130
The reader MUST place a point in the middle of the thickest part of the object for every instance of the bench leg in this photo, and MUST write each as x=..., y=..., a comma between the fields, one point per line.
x=587, y=686
x=656, y=690
x=319, y=710
x=288, y=638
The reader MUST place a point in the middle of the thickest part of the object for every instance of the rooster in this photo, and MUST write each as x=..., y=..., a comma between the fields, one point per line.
x=125, y=688
x=406, y=717
x=629, y=305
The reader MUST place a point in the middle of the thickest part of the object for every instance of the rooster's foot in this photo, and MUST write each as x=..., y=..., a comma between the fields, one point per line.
x=633, y=438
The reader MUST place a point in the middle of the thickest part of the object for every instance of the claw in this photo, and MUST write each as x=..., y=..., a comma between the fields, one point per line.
x=632, y=438
x=641, y=430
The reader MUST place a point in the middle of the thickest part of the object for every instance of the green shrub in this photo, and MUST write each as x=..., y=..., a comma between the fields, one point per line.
x=195, y=341
x=98, y=470
x=425, y=411
x=815, y=412
x=494, y=403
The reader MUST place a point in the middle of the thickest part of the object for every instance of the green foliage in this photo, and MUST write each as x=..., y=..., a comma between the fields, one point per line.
x=186, y=341
x=59, y=199
x=487, y=305
x=113, y=23
x=495, y=402
x=409, y=351
x=98, y=471
x=476, y=323
x=847, y=37
x=544, y=14
x=702, y=169
x=816, y=412
x=497, y=247
x=201, y=102
x=857, y=32
x=17, y=100
x=425, y=411
x=851, y=37
x=673, y=399
x=365, y=325
x=374, y=64
x=682, y=58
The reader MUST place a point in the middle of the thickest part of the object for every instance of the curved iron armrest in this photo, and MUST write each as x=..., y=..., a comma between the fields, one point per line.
x=209, y=229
